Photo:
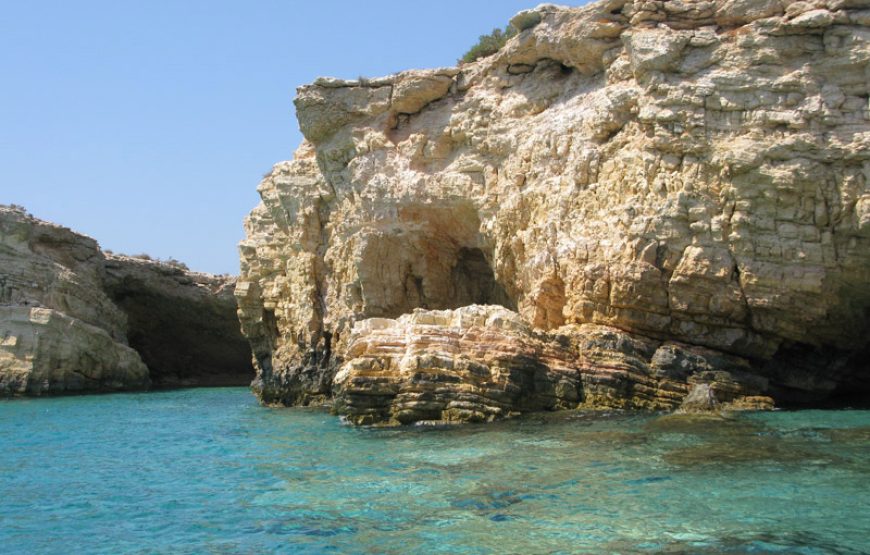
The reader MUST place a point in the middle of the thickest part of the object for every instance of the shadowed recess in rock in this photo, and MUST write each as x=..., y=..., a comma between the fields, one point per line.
x=74, y=319
x=186, y=335
x=427, y=257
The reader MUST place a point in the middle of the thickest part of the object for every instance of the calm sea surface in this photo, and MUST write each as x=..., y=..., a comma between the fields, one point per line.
x=209, y=471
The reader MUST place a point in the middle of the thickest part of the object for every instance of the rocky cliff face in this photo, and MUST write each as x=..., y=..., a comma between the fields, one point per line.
x=74, y=320
x=639, y=180
x=59, y=331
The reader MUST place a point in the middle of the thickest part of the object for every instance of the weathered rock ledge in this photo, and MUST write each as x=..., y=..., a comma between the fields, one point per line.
x=481, y=363
x=686, y=176
x=75, y=320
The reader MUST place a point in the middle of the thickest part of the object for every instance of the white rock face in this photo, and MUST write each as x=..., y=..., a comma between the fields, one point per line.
x=44, y=351
x=686, y=171
x=59, y=331
x=74, y=320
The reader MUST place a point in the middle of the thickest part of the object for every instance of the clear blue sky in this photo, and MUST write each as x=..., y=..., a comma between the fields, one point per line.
x=147, y=125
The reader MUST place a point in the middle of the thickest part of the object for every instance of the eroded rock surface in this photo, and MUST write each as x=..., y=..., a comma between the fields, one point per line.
x=481, y=363
x=59, y=331
x=47, y=352
x=73, y=320
x=687, y=172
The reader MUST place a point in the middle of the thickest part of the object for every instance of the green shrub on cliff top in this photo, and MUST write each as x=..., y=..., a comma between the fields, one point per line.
x=487, y=45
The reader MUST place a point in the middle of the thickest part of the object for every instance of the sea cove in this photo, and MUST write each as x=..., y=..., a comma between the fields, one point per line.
x=596, y=282
x=210, y=471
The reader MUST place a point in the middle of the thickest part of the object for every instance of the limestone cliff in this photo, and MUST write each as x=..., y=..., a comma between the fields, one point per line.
x=636, y=179
x=59, y=331
x=74, y=320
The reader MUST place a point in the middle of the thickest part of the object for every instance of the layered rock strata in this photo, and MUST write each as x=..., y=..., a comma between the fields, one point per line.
x=59, y=331
x=73, y=320
x=481, y=363
x=674, y=172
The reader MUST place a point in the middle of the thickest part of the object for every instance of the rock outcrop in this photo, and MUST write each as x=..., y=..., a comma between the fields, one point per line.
x=59, y=331
x=74, y=320
x=647, y=178
x=480, y=363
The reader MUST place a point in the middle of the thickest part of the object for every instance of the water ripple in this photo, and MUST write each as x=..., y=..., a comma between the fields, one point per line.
x=209, y=471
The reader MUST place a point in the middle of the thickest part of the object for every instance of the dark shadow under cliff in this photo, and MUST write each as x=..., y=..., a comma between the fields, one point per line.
x=186, y=332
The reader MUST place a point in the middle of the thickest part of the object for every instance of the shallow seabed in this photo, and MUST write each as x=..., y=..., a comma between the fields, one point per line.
x=209, y=471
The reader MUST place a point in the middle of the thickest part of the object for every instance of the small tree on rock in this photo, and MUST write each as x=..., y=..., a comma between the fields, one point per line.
x=487, y=45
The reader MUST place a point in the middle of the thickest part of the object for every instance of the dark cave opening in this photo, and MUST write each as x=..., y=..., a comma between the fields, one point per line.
x=448, y=278
x=807, y=376
x=184, y=342
x=473, y=281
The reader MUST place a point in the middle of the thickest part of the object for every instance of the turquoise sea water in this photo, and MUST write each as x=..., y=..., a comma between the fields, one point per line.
x=209, y=471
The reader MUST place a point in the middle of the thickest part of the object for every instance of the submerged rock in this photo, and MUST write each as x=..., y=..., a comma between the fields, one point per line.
x=683, y=185
x=74, y=320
